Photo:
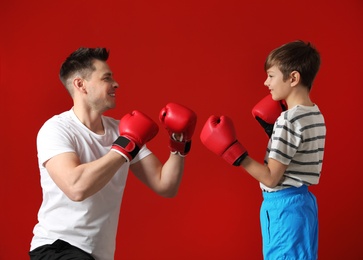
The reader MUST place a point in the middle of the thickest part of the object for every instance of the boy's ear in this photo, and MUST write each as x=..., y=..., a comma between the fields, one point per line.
x=294, y=78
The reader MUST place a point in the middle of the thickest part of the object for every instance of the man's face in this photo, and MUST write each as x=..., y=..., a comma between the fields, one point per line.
x=101, y=87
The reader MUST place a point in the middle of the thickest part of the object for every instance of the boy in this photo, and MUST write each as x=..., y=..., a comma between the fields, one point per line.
x=294, y=156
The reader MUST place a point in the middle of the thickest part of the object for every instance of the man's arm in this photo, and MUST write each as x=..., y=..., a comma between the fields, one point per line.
x=79, y=181
x=162, y=179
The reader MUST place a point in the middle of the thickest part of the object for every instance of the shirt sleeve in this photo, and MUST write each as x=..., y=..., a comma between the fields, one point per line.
x=53, y=139
x=144, y=151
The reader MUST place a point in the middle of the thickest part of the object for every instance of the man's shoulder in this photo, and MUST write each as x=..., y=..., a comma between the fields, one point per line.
x=110, y=121
x=62, y=122
x=58, y=119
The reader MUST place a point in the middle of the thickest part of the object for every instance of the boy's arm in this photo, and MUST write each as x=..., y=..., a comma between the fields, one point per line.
x=218, y=135
x=270, y=175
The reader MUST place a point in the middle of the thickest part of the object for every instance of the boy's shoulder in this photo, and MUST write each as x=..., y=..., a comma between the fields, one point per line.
x=300, y=110
x=301, y=116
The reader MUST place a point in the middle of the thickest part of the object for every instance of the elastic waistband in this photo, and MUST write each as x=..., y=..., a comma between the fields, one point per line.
x=285, y=192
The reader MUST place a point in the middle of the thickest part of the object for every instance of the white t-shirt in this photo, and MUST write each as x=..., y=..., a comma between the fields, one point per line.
x=90, y=224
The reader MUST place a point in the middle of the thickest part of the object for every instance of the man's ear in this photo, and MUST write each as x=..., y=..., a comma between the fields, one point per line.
x=79, y=84
x=294, y=78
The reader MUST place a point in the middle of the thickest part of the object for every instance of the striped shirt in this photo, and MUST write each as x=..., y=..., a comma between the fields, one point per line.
x=298, y=140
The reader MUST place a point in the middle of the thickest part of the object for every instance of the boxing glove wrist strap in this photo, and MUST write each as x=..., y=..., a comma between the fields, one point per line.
x=235, y=154
x=240, y=159
x=126, y=147
x=180, y=147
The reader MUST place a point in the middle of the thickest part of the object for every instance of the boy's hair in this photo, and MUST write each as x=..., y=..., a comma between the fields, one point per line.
x=297, y=56
x=81, y=62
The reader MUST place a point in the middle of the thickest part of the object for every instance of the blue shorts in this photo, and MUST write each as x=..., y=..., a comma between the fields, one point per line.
x=289, y=224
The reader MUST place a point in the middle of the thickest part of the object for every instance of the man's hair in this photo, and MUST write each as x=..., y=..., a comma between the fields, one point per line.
x=297, y=56
x=81, y=62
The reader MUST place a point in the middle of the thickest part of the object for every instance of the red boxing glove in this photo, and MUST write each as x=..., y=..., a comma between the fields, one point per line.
x=180, y=123
x=218, y=135
x=267, y=111
x=136, y=129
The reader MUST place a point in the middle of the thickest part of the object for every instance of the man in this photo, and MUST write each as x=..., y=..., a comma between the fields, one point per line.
x=84, y=158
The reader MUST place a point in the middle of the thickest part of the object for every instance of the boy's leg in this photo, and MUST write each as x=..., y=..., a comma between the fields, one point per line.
x=289, y=224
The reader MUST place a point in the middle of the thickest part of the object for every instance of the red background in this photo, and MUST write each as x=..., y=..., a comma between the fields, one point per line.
x=209, y=56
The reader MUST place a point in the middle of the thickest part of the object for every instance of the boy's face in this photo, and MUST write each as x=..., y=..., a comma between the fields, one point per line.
x=279, y=88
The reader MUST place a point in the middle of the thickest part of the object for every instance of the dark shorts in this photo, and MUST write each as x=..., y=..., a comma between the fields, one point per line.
x=59, y=250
